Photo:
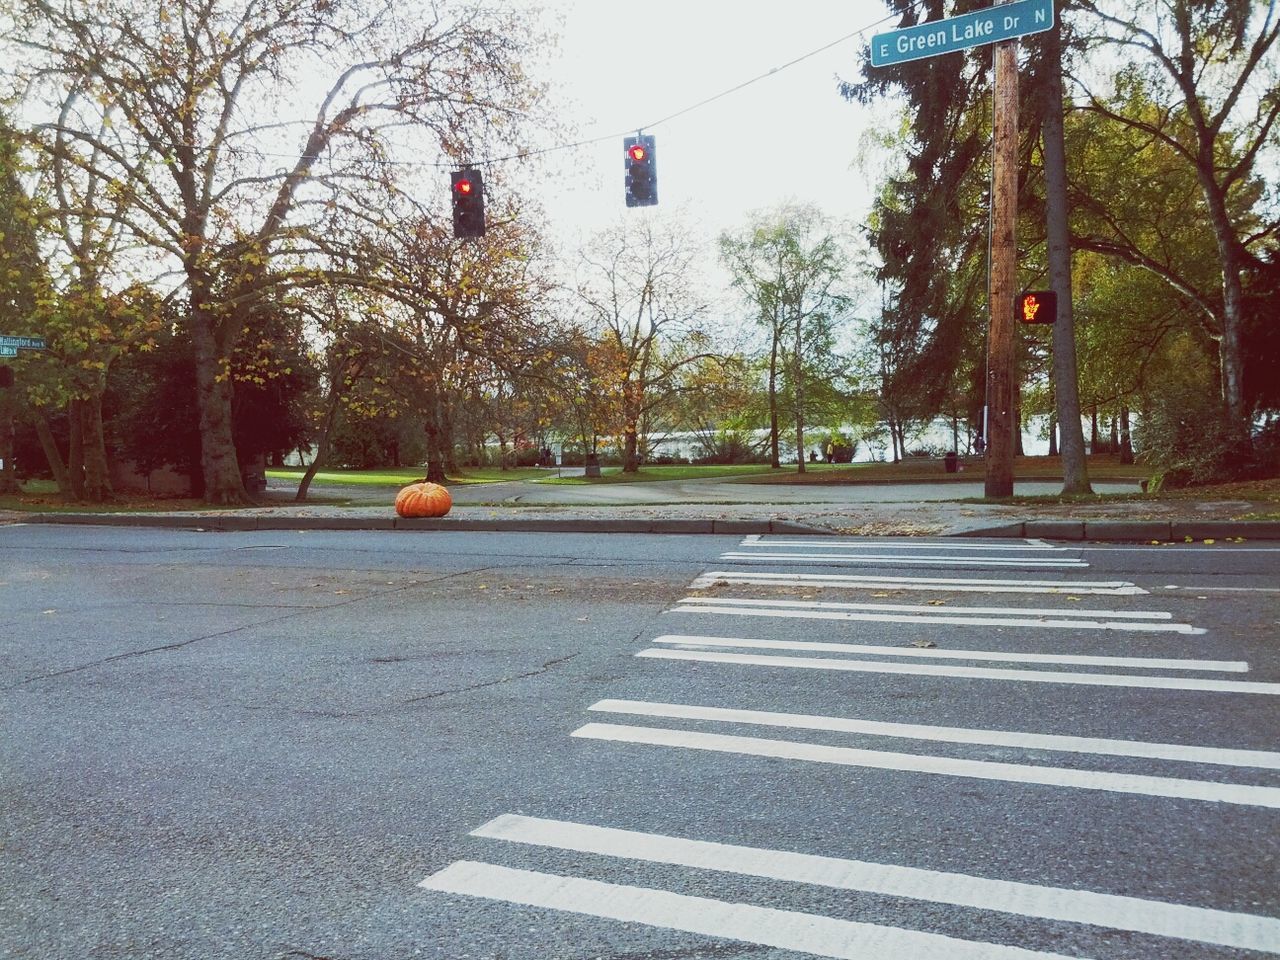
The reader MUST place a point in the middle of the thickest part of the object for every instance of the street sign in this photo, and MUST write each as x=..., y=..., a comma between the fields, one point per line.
x=1002, y=22
x=19, y=343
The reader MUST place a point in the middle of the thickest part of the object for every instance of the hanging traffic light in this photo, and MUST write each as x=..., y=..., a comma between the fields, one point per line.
x=468, y=203
x=642, y=171
x=1038, y=306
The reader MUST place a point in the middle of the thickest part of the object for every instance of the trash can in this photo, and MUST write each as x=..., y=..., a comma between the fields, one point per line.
x=950, y=461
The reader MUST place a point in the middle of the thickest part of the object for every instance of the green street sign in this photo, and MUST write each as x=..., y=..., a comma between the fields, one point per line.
x=1001, y=22
x=20, y=343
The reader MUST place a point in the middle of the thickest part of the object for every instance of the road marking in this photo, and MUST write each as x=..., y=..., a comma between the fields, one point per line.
x=1222, y=589
x=879, y=650
x=768, y=926
x=1175, y=787
x=1239, y=930
x=941, y=584
x=806, y=611
x=932, y=608
x=1257, y=759
x=897, y=544
x=904, y=558
x=1179, y=546
x=973, y=673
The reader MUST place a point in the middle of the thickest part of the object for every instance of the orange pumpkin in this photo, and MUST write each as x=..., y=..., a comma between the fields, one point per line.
x=423, y=500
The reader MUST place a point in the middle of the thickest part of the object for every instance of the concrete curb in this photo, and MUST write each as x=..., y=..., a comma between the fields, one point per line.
x=1133, y=531
x=238, y=522
x=1116, y=531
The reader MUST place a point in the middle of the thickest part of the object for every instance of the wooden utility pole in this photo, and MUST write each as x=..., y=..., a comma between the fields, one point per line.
x=1001, y=419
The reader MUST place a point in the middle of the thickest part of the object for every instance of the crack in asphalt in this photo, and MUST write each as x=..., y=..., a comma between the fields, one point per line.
x=295, y=612
x=493, y=683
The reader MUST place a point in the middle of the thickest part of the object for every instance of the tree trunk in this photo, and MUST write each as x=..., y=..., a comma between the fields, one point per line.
x=52, y=454
x=799, y=396
x=1093, y=429
x=9, y=471
x=1230, y=357
x=97, y=476
x=1053, y=437
x=326, y=429
x=435, y=452
x=75, y=453
x=219, y=465
x=775, y=455
x=1066, y=387
x=1126, y=436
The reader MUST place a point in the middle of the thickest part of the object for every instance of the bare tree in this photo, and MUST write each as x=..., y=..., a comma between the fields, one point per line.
x=638, y=292
x=220, y=180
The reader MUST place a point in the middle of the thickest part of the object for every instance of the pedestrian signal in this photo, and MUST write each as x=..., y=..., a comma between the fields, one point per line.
x=1038, y=306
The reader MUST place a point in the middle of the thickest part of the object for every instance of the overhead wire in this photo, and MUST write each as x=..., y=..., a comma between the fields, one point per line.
x=591, y=141
x=773, y=71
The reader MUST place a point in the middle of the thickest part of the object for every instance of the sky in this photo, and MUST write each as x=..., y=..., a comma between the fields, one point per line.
x=788, y=136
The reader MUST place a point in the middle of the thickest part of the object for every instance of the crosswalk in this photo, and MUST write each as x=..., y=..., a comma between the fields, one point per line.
x=935, y=646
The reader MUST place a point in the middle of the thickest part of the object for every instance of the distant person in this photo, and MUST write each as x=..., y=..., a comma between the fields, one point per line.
x=830, y=451
x=979, y=445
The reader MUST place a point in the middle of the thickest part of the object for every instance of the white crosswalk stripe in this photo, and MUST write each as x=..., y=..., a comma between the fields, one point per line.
x=1238, y=930
x=1051, y=760
x=1256, y=759
x=880, y=559
x=1023, y=546
x=1136, y=681
x=1175, y=787
x=715, y=578
x=784, y=929
x=906, y=613
x=934, y=653
x=930, y=553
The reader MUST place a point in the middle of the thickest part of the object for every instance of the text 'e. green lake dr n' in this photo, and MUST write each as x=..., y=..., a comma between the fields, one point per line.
x=1003, y=22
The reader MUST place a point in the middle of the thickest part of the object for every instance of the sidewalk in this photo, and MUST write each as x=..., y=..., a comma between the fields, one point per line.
x=772, y=509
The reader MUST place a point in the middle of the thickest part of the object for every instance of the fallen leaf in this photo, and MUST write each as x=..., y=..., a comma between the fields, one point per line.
x=880, y=594
x=342, y=591
x=1211, y=541
x=483, y=586
x=48, y=611
x=1076, y=599
x=923, y=643
x=583, y=619
x=936, y=603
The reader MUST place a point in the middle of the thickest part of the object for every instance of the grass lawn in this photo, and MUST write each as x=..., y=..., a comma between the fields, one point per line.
x=402, y=476
x=650, y=474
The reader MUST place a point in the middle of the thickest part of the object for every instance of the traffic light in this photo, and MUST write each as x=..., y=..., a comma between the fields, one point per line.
x=1038, y=306
x=640, y=162
x=468, y=203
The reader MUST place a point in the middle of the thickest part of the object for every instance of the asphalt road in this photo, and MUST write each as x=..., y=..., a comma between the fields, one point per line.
x=518, y=746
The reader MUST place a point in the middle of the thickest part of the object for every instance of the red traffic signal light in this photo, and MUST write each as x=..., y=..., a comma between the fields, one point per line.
x=468, y=203
x=1038, y=306
x=641, y=181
